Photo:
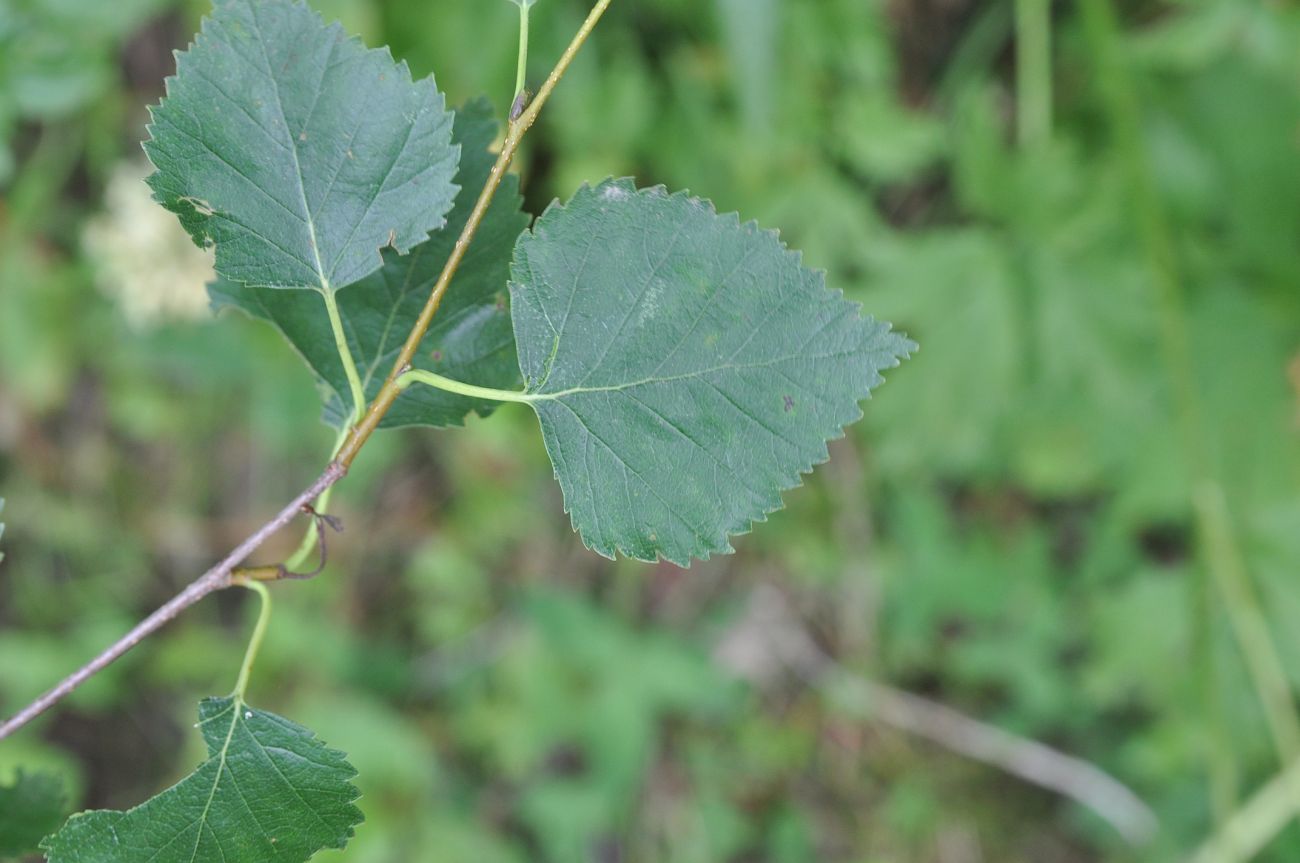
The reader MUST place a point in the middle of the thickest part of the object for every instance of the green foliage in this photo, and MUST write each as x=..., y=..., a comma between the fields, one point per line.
x=297, y=152
x=30, y=807
x=57, y=59
x=269, y=791
x=1006, y=532
x=685, y=368
x=471, y=337
x=253, y=154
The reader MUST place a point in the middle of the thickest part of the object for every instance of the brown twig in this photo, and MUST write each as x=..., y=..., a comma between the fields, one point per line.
x=221, y=575
x=518, y=128
x=216, y=578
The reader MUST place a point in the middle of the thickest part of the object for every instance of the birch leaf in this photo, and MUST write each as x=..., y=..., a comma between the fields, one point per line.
x=296, y=151
x=685, y=368
x=470, y=338
x=270, y=792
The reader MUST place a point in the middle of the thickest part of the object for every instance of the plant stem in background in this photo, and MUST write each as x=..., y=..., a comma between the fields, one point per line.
x=978, y=49
x=1218, y=546
x=1256, y=822
x=255, y=640
x=219, y=576
x=1247, y=616
x=1034, y=762
x=1030, y=760
x=1033, y=72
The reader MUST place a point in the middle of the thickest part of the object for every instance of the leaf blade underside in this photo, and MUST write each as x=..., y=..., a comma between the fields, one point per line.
x=685, y=368
x=471, y=338
x=295, y=150
x=269, y=791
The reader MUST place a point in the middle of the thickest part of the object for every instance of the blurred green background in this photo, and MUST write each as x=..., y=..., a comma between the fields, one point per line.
x=1063, y=518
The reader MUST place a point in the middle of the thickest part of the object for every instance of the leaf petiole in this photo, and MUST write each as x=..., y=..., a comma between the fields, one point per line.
x=345, y=356
x=255, y=641
x=420, y=376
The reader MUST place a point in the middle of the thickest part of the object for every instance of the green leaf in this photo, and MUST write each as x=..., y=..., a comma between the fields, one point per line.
x=685, y=367
x=29, y=809
x=296, y=151
x=269, y=791
x=471, y=337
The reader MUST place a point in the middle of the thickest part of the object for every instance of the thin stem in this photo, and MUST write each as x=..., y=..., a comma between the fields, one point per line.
x=420, y=376
x=1214, y=528
x=518, y=128
x=1030, y=760
x=220, y=576
x=1248, y=621
x=216, y=578
x=254, y=641
x=1033, y=71
x=1255, y=824
x=521, y=76
x=345, y=356
x=977, y=50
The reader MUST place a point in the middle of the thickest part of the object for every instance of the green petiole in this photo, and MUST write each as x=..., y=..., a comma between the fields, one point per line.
x=255, y=641
x=420, y=376
x=521, y=76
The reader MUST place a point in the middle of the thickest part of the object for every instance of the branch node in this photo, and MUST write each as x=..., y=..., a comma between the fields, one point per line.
x=520, y=104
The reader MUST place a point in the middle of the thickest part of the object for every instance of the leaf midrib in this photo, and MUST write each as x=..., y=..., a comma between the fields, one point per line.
x=323, y=281
x=725, y=367
x=236, y=704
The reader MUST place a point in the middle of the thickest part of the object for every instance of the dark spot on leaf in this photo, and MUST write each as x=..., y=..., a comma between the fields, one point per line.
x=789, y=403
x=437, y=356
